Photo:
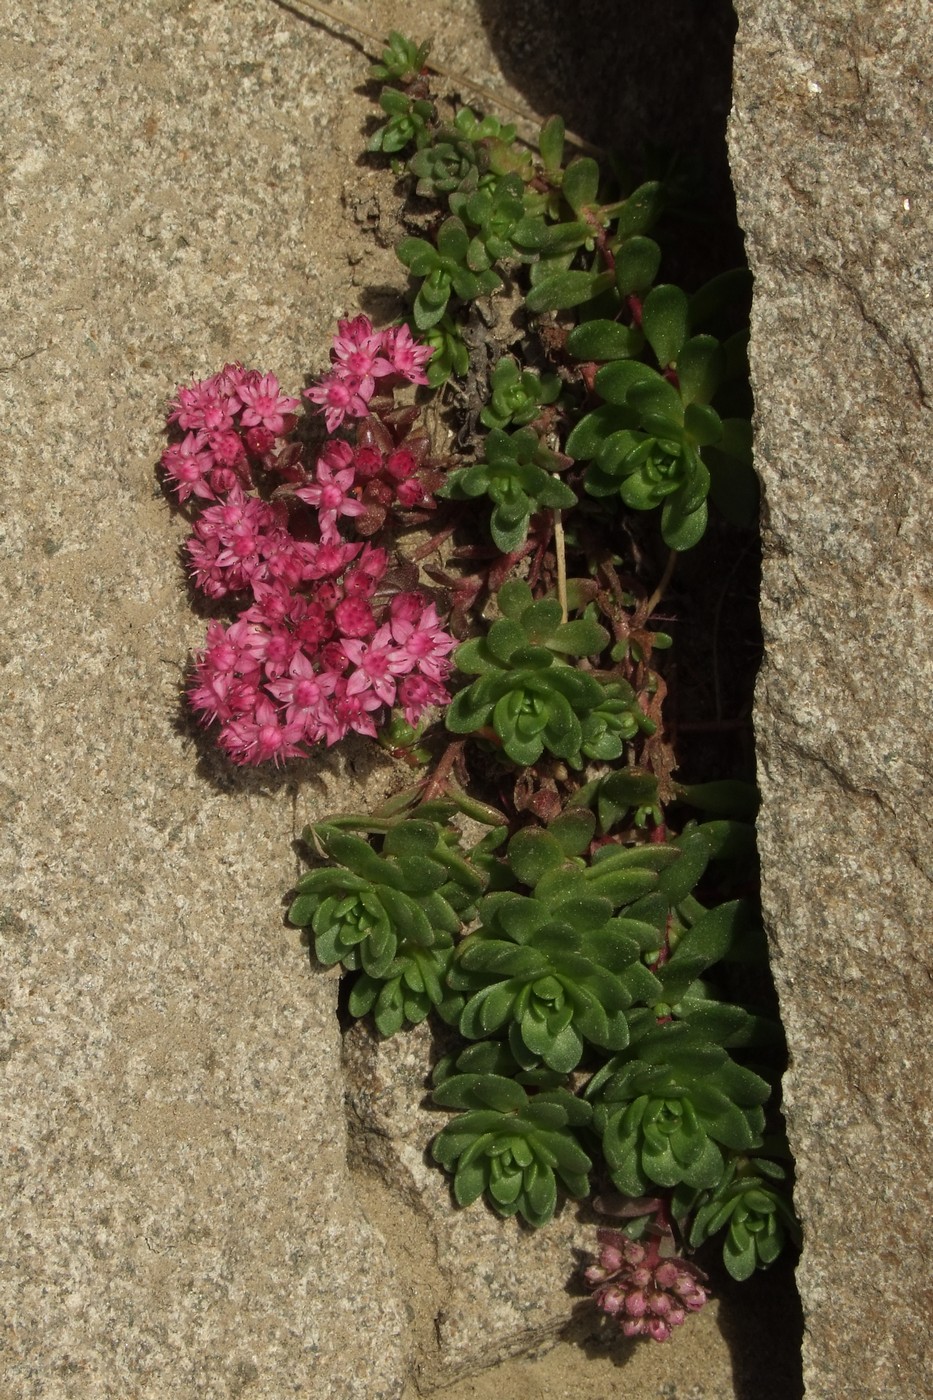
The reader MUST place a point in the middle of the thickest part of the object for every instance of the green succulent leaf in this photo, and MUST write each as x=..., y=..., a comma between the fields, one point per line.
x=453, y=241
x=514, y=597
x=551, y=144
x=615, y=382
x=664, y=322
x=637, y=263
x=532, y=853
x=563, y=290
x=402, y=59
x=519, y=1158
x=580, y=184
x=716, y=303
x=700, y=368
x=588, y=437
x=602, y=340
x=722, y=798
x=682, y=529
x=638, y=212
x=573, y=831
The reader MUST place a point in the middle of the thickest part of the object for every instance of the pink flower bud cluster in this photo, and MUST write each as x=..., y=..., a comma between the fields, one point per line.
x=359, y=357
x=321, y=646
x=648, y=1296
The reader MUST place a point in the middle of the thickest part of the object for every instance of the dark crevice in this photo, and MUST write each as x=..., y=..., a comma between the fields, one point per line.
x=654, y=83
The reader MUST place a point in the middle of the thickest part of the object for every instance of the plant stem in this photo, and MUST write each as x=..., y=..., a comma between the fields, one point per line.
x=561, y=552
x=661, y=589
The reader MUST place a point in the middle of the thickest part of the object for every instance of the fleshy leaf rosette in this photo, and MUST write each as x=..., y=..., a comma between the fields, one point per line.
x=517, y=474
x=758, y=1215
x=391, y=916
x=528, y=693
x=556, y=967
x=517, y=395
x=517, y=1149
x=668, y=1105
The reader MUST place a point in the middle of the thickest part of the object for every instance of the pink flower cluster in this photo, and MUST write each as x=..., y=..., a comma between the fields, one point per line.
x=298, y=669
x=647, y=1295
x=321, y=646
x=359, y=357
x=229, y=421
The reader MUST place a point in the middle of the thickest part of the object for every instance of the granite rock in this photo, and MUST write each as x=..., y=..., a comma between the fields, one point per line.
x=831, y=151
x=486, y=1288
x=178, y=1216
x=185, y=1211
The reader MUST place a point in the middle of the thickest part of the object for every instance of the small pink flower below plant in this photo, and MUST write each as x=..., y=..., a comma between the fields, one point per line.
x=647, y=1295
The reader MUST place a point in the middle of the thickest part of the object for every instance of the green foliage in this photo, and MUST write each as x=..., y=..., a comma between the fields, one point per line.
x=668, y=1106
x=451, y=355
x=408, y=122
x=754, y=1210
x=445, y=271
x=518, y=1150
x=517, y=474
x=389, y=915
x=558, y=971
x=402, y=60
x=517, y=395
x=444, y=166
x=494, y=214
x=656, y=439
x=584, y=949
x=650, y=455
x=619, y=793
x=529, y=693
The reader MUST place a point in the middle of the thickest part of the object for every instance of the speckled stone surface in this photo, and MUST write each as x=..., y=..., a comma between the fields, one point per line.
x=833, y=164
x=488, y=1288
x=177, y=1213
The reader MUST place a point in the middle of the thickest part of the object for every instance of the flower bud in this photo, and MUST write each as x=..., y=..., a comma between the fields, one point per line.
x=636, y=1304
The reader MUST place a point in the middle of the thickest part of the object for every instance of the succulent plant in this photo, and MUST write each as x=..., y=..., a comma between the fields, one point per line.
x=493, y=214
x=657, y=440
x=495, y=143
x=408, y=121
x=412, y=985
x=529, y=694
x=445, y=272
x=616, y=794
x=517, y=1149
x=584, y=983
x=758, y=1215
x=444, y=167
x=495, y=1057
x=467, y=124
x=651, y=454
x=560, y=971
x=402, y=59
x=668, y=1105
x=391, y=915
x=516, y=473
x=451, y=355
x=517, y=395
